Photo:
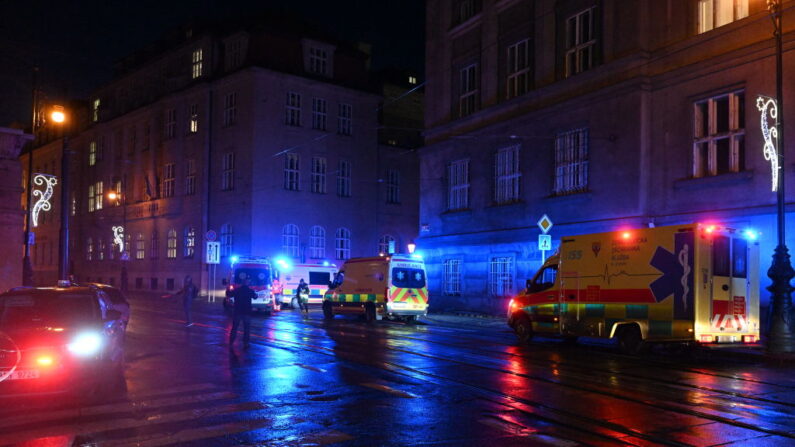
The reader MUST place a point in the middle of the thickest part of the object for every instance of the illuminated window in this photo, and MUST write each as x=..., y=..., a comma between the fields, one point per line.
x=190, y=177
x=319, y=113
x=392, y=186
x=154, y=246
x=95, y=110
x=98, y=196
x=291, y=172
x=196, y=60
x=518, y=69
x=189, y=247
x=468, y=90
x=506, y=175
x=230, y=109
x=318, y=61
x=580, y=42
x=317, y=242
x=101, y=248
x=345, y=119
x=290, y=240
x=386, y=244
x=571, y=162
x=171, y=244
x=413, y=80
x=318, y=175
x=343, y=243
x=451, y=281
x=169, y=179
x=91, y=199
x=719, y=135
x=228, y=172
x=92, y=153
x=344, y=179
x=170, y=124
x=501, y=276
x=140, y=246
x=226, y=239
x=293, y=109
x=89, y=249
x=715, y=13
x=193, y=118
x=458, y=185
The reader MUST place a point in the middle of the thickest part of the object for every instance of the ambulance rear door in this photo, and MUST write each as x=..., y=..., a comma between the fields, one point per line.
x=730, y=294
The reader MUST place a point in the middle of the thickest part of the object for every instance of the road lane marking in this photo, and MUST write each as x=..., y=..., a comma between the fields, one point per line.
x=390, y=390
x=189, y=435
x=311, y=368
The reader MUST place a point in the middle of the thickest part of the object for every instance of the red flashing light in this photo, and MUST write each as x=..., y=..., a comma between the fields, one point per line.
x=626, y=235
x=45, y=360
x=511, y=304
x=710, y=229
x=707, y=339
x=749, y=338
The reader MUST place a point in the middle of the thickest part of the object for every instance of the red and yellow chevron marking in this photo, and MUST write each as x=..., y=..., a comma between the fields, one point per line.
x=417, y=297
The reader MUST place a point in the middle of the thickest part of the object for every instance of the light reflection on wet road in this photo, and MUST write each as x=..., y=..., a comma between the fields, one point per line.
x=449, y=381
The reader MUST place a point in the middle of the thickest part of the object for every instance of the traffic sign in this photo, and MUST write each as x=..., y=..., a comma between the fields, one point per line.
x=545, y=223
x=213, y=253
x=210, y=235
x=544, y=242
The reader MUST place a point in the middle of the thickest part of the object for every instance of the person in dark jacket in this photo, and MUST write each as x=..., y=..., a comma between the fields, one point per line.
x=189, y=292
x=243, y=296
x=302, y=295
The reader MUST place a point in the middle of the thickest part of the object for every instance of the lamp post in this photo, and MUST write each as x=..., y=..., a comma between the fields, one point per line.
x=58, y=116
x=121, y=200
x=27, y=267
x=780, y=335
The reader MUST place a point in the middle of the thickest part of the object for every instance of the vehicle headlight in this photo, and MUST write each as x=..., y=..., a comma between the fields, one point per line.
x=85, y=345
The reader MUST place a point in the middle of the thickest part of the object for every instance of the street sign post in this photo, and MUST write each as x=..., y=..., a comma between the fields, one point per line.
x=210, y=235
x=544, y=240
x=213, y=252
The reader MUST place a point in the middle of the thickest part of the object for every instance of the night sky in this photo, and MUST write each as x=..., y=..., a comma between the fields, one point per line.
x=75, y=43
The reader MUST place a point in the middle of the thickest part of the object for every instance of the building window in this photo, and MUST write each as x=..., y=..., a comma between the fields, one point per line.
x=228, y=171
x=344, y=179
x=318, y=61
x=518, y=69
x=506, y=175
x=571, y=162
x=318, y=113
x=95, y=110
x=719, y=135
x=95, y=196
x=196, y=60
x=190, y=177
x=413, y=80
x=169, y=178
x=343, y=243
x=293, y=109
x=345, y=119
x=91, y=198
x=468, y=90
x=89, y=249
x=290, y=240
x=226, y=239
x=392, y=186
x=235, y=54
x=458, y=185
x=171, y=244
x=319, y=175
x=715, y=13
x=230, y=109
x=140, y=246
x=127, y=244
x=154, y=246
x=451, y=281
x=92, y=153
x=386, y=245
x=101, y=248
x=291, y=172
x=501, y=276
x=193, y=118
x=580, y=42
x=464, y=10
x=189, y=247
x=317, y=242
x=170, y=124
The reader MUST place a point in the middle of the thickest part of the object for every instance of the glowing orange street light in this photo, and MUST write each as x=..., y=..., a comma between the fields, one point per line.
x=112, y=195
x=58, y=115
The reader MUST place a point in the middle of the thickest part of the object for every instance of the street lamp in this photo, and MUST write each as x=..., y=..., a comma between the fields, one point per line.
x=121, y=200
x=780, y=336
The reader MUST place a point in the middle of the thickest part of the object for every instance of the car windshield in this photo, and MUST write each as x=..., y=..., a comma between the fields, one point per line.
x=63, y=310
x=258, y=277
x=408, y=278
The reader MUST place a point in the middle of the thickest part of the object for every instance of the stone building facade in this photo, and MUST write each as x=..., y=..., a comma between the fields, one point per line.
x=602, y=114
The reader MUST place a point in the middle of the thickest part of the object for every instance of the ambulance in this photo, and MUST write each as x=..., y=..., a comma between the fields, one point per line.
x=384, y=286
x=317, y=276
x=695, y=283
x=259, y=272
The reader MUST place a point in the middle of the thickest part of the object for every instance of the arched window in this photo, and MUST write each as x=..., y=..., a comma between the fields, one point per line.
x=290, y=240
x=89, y=249
x=154, y=246
x=226, y=240
x=140, y=246
x=343, y=243
x=171, y=244
x=317, y=242
x=383, y=244
x=189, y=247
x=101, y=249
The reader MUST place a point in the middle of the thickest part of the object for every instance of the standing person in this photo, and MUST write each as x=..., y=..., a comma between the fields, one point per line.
x=189, y=292
x=243, y=296
x=302, y=295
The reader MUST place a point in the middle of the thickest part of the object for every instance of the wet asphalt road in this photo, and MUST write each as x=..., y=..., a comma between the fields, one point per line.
x=448, y=381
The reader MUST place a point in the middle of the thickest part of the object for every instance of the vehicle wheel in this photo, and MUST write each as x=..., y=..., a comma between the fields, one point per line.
x=411, y=319
x=369, y=312
x=327, y=313
x=524, y=330
x=630, y=340
x=294, y=303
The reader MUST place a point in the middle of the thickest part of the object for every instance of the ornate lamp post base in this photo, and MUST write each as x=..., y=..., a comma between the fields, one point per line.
x=781, y=338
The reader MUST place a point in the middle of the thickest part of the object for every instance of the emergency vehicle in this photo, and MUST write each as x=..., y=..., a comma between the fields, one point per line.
x=682, y=283
x=393, y=286
x=316, y=276
x=259, y=271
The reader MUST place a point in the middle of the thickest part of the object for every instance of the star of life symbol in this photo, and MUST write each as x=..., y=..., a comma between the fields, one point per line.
x=418, y=276
x=401, y=275
x=683, y=261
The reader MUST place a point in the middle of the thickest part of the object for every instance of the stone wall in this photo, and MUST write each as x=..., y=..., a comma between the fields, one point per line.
x=11, y=214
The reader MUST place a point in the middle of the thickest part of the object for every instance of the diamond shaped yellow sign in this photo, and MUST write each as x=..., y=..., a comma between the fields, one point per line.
x=545, y=223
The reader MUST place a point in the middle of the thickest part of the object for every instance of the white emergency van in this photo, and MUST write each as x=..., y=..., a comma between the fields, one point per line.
x=317, y=276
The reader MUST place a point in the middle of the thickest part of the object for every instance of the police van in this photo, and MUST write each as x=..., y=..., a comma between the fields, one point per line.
x=694, y=283
x=384, y=286
x=316, y=276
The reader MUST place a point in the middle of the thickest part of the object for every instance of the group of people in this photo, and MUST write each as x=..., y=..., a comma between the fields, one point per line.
x=242, y=310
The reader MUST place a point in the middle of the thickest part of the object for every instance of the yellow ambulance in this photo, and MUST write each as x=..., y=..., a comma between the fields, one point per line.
x=393, y=286
x=682, y=283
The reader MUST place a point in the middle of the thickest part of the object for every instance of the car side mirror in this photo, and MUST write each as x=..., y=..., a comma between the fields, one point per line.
x=225, y=282
x=112, y=315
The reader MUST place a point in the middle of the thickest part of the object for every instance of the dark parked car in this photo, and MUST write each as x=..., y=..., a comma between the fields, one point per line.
x=59, y=339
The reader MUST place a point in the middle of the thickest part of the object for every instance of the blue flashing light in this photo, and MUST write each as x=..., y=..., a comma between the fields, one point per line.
x=281, y=262
x=416, y=256
x=751, y=235
x=325, y=264
x=233, y=259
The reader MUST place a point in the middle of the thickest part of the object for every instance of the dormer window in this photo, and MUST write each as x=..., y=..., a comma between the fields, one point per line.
x=318, y=58
x=318, y=61
x=235, y=48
